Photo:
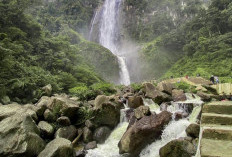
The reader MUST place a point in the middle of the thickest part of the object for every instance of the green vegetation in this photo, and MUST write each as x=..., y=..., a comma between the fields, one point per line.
x=32, y=57
x=88, y=93
x=186, y=87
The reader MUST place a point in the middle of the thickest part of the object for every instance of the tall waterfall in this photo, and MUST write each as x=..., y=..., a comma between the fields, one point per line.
x=109, y=35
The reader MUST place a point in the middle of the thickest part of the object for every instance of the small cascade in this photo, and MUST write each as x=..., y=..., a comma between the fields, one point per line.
x=110, y=147
x=92, y=25
x=174, y=130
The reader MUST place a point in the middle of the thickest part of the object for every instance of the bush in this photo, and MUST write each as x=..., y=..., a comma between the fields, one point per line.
x=186, y=87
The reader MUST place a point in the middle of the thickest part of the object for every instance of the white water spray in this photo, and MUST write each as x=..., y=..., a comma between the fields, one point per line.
x=109, y=35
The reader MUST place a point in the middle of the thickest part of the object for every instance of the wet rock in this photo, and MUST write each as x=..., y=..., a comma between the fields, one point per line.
x=101, y=134
x=46, y=129
x=142, y=111
x=101, y=99
x=58, y=147
x=47, y=90
x=193, y=130
x=68, y=132
x=127, y=95
x=91, y=145
x=129, y=113
x=135, y=101
x=49, y=116
x=19, y=136
x=180, y=115
x=178, y=148
x=178, y=95
x=143, y=132
x=81, y=153
x=87, y=135
x=148, y=89
x=63, y=121
x=164, y=106
x=165, y=87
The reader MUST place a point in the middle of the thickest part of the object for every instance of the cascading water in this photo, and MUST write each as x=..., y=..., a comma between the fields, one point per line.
x=109, y=35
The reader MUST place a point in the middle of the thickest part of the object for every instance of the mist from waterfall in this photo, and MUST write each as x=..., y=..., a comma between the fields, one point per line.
x=109, y=35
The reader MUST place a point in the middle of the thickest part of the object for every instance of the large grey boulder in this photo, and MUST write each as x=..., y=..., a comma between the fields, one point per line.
x=143, y=132
x=47, y=90
x=142, y=111
x=178, y=95
x=46, y=129
x=63, y=121
x=58, y=147
x=12, y=109
x=49, y=116
x=68, y=132
x=42, y=105
x=178, y=148
x=19, y=136
x=165, y=87
x=101, y=134
x=154, y=94
x=59, y=105
x=107, y=111
x=135, y=101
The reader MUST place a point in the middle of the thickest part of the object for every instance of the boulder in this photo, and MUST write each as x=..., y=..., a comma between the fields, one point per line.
x=178, y=95
x=47, y=90
x=63, y=121
x=42, y=105
x=12, y=109
x=180, y=115
x=46, y=129
x=135, y=101
x=91, y=145
x=58, y=147
x=5, y=100
x=81, y=153
x=165, y=87
x=106, y=111
x=68, y=132
x=87, y=135
x=89, y=124
x=154, y=94
x=101, y=134
x=193, y=130
x=204, y=96
x=178, y=148
x=143, y=132
x=19, y=136
x=142, y=111
x=49, y=116
x=62, y=105
x=164, y=106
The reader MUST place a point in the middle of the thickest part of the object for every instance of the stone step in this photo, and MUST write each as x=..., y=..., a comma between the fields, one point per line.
x=215, y=148
x=224, y=107
x=217, y=132
x=213, y=118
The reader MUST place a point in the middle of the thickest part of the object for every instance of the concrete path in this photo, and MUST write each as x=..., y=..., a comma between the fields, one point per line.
x=216, y=130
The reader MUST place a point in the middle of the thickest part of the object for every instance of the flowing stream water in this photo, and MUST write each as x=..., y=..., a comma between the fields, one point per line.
x=109, y=34
x=174, y=130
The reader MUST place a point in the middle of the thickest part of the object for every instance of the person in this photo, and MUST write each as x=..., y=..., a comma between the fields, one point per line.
x=216, y=80
x=212, y=79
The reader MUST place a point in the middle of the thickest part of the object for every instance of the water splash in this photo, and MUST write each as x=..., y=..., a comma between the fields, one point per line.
x=174, y=130
x=109, y=35
x=110, y=147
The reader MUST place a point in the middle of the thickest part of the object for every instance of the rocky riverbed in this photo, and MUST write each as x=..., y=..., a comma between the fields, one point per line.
x=61, y=125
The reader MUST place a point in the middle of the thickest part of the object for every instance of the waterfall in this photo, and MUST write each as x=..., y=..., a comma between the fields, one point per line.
x=109, y=35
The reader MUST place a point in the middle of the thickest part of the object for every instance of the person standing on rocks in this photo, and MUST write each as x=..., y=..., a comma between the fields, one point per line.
x=216, y=80
x=212, y=79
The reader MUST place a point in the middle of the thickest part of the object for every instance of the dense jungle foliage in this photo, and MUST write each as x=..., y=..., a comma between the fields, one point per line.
x=190, y=37
x=36, y=54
